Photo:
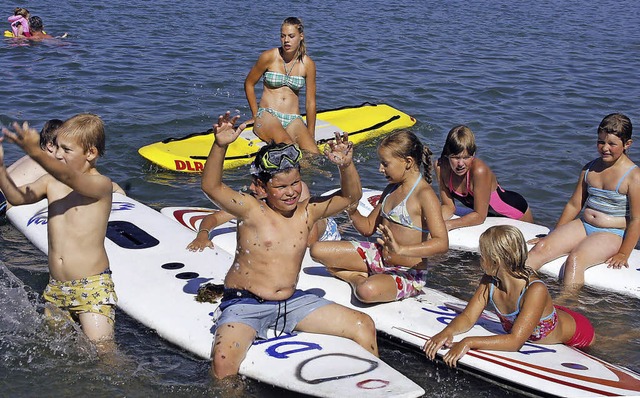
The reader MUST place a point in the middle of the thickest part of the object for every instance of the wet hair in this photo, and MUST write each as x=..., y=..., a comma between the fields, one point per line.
x=505, y=245
x=294, y=21
x=261, y=173
x=35, y=24
x=459, y=139
x=21, y=11
x=48, y=133
x=618, y=125
x=88, y=129
x=404, y=144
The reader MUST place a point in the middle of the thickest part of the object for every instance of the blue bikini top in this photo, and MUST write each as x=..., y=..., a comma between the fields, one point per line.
x=611, y=203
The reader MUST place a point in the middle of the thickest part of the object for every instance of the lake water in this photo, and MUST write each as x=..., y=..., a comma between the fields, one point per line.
x=532, y=79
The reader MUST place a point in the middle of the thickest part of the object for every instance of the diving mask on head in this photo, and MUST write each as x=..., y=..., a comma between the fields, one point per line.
x=277, y=159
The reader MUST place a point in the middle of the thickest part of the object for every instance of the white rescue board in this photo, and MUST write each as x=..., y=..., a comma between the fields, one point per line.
x=157, y=279
x=555, y=370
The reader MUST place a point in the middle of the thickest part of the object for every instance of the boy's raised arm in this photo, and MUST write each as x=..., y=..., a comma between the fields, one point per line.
x=212, y=186
x=15, y=195
x=90, y=185
x=340, y=152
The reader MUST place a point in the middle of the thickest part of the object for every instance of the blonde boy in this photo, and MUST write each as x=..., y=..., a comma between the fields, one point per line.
x=79, y=200
x=260, y=288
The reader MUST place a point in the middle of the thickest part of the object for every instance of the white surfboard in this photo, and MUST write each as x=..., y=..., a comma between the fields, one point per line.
x=156, y=280
x=556, y=370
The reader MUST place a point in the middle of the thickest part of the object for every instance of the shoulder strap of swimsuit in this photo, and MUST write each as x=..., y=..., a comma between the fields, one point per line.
x=536, y=280
x=588, y=168
x=525, y=290
x=624, y=176
x=284, y=65
x=491, y=287
x=415, y=184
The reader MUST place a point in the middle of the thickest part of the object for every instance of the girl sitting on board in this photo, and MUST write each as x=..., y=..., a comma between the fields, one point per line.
x=284, y=71
x=464, y=177
x=408, y=216
x=521, y=300
x=609, y=191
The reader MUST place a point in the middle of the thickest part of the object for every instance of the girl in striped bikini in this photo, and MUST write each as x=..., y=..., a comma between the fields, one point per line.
x=285, y=71
x=609, y=191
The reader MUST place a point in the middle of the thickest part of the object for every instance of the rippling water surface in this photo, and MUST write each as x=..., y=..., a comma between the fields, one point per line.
x=532, y=79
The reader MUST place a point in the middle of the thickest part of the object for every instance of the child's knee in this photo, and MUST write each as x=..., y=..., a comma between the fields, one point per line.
x=221, y=366
x=97, y=327
x=365, y=333
x=318, y=251
x=367, y=293
x=539, y=247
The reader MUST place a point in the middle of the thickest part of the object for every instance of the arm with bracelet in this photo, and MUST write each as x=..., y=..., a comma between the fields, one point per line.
x=209, y=223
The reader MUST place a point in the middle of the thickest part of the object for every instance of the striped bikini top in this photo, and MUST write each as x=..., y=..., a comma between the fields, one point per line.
x=277, y=79
x=545, y=326
x=611, y=203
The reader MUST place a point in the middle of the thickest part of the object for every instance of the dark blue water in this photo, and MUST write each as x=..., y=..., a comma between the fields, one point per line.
x=532, y=79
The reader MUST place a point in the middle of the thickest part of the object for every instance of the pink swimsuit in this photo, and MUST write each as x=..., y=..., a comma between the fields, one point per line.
x=501, y=203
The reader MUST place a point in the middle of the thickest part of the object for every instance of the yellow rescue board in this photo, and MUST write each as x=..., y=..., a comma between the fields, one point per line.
x=189, y=154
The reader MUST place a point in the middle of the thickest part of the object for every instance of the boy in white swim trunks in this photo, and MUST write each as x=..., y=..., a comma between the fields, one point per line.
x=79, y=206
x=260, y=288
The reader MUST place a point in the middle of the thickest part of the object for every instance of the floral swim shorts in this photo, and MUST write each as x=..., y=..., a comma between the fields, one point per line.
x=409, y=281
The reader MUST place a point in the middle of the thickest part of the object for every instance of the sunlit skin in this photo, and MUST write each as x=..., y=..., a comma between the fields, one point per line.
x=460, y=163
x=535, y=304
x=282, y=191
x=284, y=99
x=569, y=236
x=79, y=206
x=25, y=169
x=401, y=246
x=403, y=171
x=483, y=183
x=271, y=243
x=219, y=217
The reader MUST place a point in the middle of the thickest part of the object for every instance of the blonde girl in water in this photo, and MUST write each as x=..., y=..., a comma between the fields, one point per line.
x=285, y=71
x=409, y=220
x=521, y=300
x=464, y=177
x=608, y=196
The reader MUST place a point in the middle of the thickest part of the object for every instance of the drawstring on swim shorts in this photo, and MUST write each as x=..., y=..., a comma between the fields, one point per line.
x=284, y=318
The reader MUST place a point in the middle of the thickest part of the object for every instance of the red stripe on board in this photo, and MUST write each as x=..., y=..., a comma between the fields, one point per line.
x=626, y=381
x=179, y=216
